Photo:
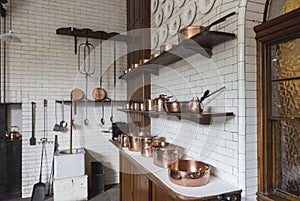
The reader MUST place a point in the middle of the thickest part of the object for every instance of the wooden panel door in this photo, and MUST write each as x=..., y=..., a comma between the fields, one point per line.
x=159, y=195
x=141, y=187
x=126, y=180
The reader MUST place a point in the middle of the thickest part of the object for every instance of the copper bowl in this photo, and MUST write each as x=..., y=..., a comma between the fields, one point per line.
x=189, y=32
x=166, y=47
x=189, y=173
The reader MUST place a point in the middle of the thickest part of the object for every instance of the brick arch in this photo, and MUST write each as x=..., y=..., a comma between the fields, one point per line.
x=251, y=13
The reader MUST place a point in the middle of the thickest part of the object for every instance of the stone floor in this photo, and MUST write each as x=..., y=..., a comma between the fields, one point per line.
x=111, y=194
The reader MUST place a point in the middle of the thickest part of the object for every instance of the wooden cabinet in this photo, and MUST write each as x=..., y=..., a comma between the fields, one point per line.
x=134, y=185
x=138, y=184
x=158, y=194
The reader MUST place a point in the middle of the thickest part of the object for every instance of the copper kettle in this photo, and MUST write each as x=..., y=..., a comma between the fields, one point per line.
x=14, y=133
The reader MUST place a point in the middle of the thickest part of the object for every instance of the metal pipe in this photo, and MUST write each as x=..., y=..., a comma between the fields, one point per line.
x=71, y=122
x=4, y=62
x=0, y=64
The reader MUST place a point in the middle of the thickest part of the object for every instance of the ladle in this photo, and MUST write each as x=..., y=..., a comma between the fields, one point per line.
x=102, y=118
x=63, y=123
x=56, y=125
x=111, y=103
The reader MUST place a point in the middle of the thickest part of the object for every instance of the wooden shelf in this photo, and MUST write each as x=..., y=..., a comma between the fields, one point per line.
x=201, y=118
x=92, y=101
x=201, y=43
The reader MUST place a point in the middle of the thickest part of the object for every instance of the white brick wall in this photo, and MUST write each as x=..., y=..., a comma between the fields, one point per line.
x=44, y=66
x=231, y=147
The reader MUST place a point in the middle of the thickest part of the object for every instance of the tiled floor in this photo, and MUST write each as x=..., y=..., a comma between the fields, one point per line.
x=112, y=194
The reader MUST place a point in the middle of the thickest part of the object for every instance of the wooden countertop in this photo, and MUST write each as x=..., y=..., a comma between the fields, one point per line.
x=160, y=177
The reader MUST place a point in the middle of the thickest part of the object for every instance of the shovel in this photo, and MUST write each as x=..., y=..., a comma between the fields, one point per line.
x=38, y=192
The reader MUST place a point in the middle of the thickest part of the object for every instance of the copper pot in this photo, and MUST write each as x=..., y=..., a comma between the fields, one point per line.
x=134, y=143
x=189, y=173
x=165, y=153
x=146, y=145
x=152, y=56
x=195, y=106
x=143, y=61
x=124, y=140
x=148, y=104
x=172, y=107
x=134, y=140
x=166, y=47
x=159, y=102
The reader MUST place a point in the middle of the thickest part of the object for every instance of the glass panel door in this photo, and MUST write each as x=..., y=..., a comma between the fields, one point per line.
x=285, y=114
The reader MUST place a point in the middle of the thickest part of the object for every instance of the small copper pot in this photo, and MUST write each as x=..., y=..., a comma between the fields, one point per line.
x=152, y=56
x=172, y=107
x=189, y=173
x=134, y=143
x=165, y=153
x=148, y=104
x=166, y=47
x=124, y=140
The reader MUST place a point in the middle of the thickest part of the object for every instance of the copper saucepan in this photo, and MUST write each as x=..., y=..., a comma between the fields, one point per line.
x=190, y=31
x=189, y=173
x=172, y=107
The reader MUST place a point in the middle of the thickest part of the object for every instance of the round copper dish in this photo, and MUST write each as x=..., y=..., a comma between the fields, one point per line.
x=189, y=173
x=77, y=94
x=188, y=32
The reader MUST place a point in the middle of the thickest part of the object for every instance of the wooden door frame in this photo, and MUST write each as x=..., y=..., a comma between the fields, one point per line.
x=282, y=28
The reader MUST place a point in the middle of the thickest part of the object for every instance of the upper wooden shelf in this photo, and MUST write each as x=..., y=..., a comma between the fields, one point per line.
x=201, y=118
x=91, y=101
x=201, y=43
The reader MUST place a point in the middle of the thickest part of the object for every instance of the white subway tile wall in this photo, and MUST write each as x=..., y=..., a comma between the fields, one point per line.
x=229, y=144
x=44, y=66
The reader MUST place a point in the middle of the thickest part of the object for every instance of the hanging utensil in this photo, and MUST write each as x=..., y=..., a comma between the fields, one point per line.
x=115, y=83
x=32, y=140
x=221, y=89
x=56, y=125
x=102, y=118
x=87, y=69
x=63, y=123
x=99, y=93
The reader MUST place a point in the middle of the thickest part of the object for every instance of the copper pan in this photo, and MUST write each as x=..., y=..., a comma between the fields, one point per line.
x=99, y=94
x=189, y=173
x=190, y=31
x=77, y=94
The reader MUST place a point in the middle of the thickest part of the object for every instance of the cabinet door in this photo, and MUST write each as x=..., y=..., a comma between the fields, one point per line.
x=126, y=180
x=159, y=195
x=141, y=187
